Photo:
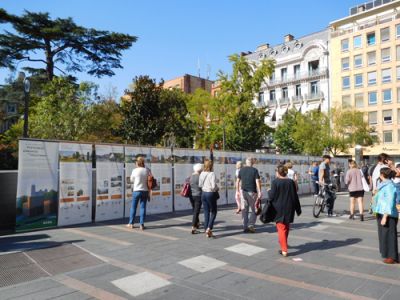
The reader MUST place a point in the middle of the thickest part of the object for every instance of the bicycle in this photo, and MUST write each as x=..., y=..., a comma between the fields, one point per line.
x=326, y=191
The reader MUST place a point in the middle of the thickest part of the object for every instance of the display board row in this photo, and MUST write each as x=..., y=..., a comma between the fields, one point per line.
x=58, y=187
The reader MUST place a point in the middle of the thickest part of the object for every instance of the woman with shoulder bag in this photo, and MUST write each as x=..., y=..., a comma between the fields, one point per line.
x=195, y=196
x=209, y=196
x=355, y=186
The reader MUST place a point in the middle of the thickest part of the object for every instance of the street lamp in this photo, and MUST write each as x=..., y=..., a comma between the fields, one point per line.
x=27, y=88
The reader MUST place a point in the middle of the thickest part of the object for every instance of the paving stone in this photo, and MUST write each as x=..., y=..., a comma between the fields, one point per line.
x=140, y=283
x=48, y=293
x=27, y=288
x=202, y=263
x=245, y=249
x=373, y=289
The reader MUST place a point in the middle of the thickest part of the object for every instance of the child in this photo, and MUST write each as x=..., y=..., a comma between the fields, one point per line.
x=387, y=217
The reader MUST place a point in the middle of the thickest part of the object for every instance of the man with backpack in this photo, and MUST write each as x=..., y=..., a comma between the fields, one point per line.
x=314, y=177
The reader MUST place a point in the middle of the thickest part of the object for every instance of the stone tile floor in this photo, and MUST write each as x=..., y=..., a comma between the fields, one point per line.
x=332, y=258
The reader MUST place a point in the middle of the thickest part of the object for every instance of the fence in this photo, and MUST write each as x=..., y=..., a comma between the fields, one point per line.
x=65, y=183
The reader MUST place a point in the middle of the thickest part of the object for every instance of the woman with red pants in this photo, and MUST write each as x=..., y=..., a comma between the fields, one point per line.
x=284, y=198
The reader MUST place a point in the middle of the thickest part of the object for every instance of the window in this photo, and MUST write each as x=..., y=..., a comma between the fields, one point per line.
x=261, y=97
x=314, y=87
x=358, y=80
x=272, y=95
x=398, y=117
x=345, y=64
x=357, y=41
x=283, y=73
x=372, y=98
x=387, y=116
x=345, y=45
x=359, y=100
x=387, y=96
x=296, y=71
x=285, y=93
x=346, y=101
x=385, y=34
x=373, y=118
x=371, y=78
x=371, y=38
x=398, y=31
x=386, y=76
x=371, y=56
x=357, y=61
x=398, y=72
x=12, y=108
x=273, y=76
x=298, y=90
x=313, y=67
x=345, y=82
x=385, y=54
x=387, y=137
x=398, y=52
x=398, y=94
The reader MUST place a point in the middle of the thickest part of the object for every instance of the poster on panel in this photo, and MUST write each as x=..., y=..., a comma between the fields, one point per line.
x=231, y=159
x=37, y=190
x=261, y=163
x=75, y=196
x=131, y=154
x=220, y=175
x=185, y=159
x=161, y=199
x=109, y=182
x=339, y=167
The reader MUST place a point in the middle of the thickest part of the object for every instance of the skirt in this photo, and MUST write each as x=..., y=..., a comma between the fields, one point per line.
x=357, y=194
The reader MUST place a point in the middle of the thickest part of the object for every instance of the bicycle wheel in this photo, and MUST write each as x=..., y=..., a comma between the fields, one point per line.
x=318, y=206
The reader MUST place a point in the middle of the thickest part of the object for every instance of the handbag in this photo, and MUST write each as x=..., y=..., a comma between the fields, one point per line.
x=268, y=213
x=364, y=182
x=216, y=195
x=186, y=190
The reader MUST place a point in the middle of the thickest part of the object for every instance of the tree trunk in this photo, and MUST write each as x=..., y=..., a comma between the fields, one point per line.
x=49, y=61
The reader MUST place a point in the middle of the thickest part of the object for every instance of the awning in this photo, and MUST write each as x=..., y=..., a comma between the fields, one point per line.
x=280, y=112
x=271, y=116
x=313, y=106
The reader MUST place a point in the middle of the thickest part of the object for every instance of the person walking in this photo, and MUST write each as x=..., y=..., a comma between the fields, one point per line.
x=209, y=196
x=195, y=196
x=387, y=217
x=354, y=184
x=139, y=179
x=325, y=179
x=248, y=184
x=284, y=198
x=314, y=177
x=292, y=174
x=238, y=194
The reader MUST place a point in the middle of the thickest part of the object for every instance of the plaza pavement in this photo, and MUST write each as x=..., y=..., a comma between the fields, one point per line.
x=330, y=258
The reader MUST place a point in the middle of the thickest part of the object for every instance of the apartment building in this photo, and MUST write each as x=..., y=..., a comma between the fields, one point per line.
x=189, y=83
x=8, y=113
x=301, y=77
x=365, y=67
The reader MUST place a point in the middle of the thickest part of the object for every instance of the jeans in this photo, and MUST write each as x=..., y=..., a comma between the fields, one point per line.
x=315, y=187
x=210, y=209
x=138, y=196
x=248, y=201
x=196, y=206
x=330, y=201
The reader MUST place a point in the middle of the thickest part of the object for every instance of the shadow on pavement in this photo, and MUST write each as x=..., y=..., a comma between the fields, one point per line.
x=323, y=245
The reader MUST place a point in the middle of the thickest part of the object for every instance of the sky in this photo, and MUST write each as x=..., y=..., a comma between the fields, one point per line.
x=175, y=37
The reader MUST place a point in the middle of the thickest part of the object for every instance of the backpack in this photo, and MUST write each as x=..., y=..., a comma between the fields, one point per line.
x=371, y=170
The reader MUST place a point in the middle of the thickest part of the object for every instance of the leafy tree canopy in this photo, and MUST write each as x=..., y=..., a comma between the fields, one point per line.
x=60, y=42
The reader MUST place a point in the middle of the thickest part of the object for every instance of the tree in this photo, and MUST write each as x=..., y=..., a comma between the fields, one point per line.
x=40, y=39
x=62, y=111
x=350, y=129
x=141, y=113
x=311, y=132
x=284, y=134
x=232, y=111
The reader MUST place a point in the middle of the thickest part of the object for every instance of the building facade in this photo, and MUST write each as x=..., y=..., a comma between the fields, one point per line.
x=189, y=83
x=365, y=67
x=301, y=76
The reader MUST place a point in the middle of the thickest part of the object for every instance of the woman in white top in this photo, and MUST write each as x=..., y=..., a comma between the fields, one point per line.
x=139, y=178
x=209, y=195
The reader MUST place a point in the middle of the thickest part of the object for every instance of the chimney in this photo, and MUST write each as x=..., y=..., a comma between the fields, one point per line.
x=288, y=38
x=262, y=47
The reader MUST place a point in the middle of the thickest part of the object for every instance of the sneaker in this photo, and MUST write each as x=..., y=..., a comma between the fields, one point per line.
x=362, y=218
x=252, y=229
x=351, y=217
x=129, y=226
x=284, y=254
x=330, y=215
x=141, y=227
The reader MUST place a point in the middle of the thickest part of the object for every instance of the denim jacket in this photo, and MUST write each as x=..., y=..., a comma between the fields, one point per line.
x=385, y=199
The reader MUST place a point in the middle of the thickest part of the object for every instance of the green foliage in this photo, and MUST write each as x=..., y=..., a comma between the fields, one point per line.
x=152, y=113
x=40, y=39
x=284, y=134
x=9, y=147
x=61, y=112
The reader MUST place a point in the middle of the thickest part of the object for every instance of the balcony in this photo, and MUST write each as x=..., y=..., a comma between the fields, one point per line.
x=297, y=99
x=284, y=101
x=314, y=96
x=272, y=103
x=310, y=75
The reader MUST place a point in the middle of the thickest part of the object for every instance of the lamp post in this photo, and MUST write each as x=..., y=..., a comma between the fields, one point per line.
x=27, y=88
